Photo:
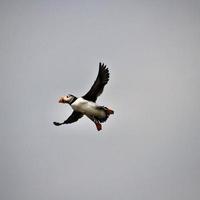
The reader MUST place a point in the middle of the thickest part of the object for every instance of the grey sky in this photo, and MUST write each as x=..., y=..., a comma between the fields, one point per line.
x=150, y=148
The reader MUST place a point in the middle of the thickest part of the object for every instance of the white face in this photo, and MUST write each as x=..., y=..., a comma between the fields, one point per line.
x=65, y=99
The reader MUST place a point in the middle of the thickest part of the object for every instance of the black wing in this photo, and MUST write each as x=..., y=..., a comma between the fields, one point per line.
x=98, y=85
x=75, y=116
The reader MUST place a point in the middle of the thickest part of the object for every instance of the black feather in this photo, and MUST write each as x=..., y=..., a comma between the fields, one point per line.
x=98, y=86
x=75, y=116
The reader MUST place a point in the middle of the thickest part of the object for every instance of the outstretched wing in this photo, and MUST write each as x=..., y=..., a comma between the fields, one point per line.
x=75, y=116
x=98, y=85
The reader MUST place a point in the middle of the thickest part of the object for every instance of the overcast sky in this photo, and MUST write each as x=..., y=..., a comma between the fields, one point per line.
x=150, y=148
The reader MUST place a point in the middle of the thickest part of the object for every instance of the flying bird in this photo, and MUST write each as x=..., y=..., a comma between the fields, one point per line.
x=86, y=105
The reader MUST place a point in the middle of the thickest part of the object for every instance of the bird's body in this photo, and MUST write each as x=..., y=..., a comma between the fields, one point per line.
x=86, y=105
x=88, y=108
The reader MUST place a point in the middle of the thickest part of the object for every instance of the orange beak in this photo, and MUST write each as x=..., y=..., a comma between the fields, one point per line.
x=60, y=100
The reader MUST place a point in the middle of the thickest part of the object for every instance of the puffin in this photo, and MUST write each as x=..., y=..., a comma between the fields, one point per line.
x=86, y=105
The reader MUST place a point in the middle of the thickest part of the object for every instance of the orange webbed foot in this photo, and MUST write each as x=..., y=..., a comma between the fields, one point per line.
x=99, y=126
x=109, y=111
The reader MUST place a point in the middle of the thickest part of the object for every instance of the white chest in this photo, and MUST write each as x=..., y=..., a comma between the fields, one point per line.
x=87, y=107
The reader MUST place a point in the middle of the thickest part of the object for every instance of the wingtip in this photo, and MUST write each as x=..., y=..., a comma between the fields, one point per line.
x=56, y=123
x=102, y=66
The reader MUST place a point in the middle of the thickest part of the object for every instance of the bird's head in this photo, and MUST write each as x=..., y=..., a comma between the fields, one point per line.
x=66, y=99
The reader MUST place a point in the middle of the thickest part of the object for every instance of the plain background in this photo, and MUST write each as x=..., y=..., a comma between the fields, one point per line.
x=150, y=148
